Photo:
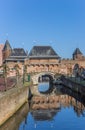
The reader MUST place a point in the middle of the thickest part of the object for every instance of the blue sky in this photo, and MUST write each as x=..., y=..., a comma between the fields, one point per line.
x=59, y=23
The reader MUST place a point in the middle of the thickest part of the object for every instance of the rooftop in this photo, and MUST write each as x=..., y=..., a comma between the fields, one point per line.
x=77, y=51
x=18, y=52
x=43, y=51
x=7, y=46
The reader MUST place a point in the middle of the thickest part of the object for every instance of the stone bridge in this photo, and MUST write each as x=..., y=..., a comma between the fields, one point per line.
x=65, y=67
x=35, y=76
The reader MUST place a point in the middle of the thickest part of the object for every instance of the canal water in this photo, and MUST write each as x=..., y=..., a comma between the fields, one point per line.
x=65, y=110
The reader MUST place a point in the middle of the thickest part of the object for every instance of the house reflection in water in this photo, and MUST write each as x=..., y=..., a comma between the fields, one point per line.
x=47, y=111
x=42, y=115
x=46, y=107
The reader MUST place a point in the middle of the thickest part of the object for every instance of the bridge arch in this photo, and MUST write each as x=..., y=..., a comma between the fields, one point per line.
x=35, y=77
x=45, y=77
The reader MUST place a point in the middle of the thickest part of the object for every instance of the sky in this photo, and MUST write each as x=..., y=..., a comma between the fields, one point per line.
x=58, y=23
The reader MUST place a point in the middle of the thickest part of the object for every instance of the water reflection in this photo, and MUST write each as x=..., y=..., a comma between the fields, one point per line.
x=62, y=109
x=14, y=122
x=43, y=115
x=45, y=87
x=58, y=101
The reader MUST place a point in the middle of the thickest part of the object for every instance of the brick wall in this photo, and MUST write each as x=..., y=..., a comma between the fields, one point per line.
x=1, y=48
x=6, y=54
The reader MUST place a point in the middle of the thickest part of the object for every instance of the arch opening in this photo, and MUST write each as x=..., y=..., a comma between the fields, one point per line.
x=45, y=83
x=76, y=70
x=45, y=78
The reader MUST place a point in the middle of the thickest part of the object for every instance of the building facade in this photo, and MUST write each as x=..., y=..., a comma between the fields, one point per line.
x=78, y=55
x=1, y=54
x=40, y=59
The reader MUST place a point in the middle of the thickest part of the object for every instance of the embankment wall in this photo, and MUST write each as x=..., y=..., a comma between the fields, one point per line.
x=11, y=101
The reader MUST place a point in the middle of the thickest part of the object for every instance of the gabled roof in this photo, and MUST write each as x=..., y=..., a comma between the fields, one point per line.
x=18, y=52
x=77, y=51
x=43, y=52
x=7, y=46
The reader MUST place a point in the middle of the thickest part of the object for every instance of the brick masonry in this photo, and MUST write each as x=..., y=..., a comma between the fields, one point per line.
x=11, y=101
x=1, y=55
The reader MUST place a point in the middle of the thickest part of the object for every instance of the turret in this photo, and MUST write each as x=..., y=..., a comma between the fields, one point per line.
x=6, y=50
x=77, y=55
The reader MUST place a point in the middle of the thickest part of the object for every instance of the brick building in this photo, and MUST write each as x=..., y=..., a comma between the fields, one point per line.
x=40, y=58
x=77, y=55
x=12, y=56
x=43, y=54
x=1, y=55
x=6, y=50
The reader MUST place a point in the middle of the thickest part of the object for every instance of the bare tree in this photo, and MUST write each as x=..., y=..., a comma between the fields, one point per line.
x=6, y=70
x=17, y=68
x=24, y=72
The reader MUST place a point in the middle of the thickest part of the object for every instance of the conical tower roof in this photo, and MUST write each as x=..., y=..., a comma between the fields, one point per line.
x=7, y=46
x=77, y=51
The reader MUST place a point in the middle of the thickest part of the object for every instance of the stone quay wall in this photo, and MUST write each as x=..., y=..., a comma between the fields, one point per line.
x=14, y=122
x=11, y=101
x=77, y=87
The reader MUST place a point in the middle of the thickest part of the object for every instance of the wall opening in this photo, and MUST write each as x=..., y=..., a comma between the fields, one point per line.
x=45, y=83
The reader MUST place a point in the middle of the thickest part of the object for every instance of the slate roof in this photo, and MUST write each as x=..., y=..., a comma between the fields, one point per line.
x=43, y=52
x=18, y=52
x=7, y=46
x=77, y=51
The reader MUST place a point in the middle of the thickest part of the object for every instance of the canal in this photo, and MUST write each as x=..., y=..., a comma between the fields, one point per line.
x=61, y=109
